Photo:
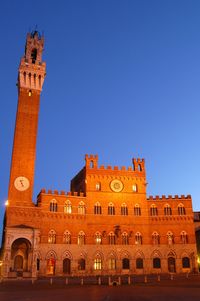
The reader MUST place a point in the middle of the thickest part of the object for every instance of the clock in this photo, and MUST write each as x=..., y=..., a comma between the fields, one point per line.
x=21, y=183
x=116, y=185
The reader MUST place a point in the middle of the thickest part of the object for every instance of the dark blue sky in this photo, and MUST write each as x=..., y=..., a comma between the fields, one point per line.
x=123, y=80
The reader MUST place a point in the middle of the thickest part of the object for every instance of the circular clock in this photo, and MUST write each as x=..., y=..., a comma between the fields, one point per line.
x=21, y=183
x=116, y=185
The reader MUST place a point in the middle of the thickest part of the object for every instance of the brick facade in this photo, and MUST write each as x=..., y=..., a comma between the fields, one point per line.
x=106, y=224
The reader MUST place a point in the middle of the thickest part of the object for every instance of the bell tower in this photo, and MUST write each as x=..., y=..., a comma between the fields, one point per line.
x=31, y=74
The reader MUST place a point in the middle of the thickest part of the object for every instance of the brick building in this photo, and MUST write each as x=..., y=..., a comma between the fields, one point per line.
x=105, y=224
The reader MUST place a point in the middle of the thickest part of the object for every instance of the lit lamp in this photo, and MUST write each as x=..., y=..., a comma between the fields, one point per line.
x=6, y=203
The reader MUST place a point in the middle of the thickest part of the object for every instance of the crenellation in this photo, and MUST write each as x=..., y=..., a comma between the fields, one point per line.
x=168, y=197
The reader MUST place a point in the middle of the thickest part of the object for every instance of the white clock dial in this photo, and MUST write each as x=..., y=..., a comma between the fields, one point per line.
x=116, y=185
x=21, y=183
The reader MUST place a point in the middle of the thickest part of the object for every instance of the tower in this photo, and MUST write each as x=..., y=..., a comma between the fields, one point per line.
x=31, y=76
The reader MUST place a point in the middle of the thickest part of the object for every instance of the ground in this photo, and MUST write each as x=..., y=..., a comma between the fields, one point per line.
x=178, y=288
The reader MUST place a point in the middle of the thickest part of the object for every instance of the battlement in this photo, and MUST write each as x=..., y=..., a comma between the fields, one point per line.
x=92, y=163
x=165, y=198
x=62, y=192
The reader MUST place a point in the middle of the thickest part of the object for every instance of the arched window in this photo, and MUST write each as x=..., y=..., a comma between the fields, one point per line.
x=111, y=238
x=112, y=263
x=91, y=164
x=124, y=209
x=134, y=188
x=170, y=238
x=111, y=209
x=139, y=263
x=81, y=238
x=98, y=186
x=67, y=237
x=97, y=262
x=34, y=55
x=81, y=208
x=52, y=237
x=125, y=240
x=153, y=210
x=53, y=206
x=185, y=262
x=181, y=209
x=81, y=264
x=98, y=238
x=155, y=238
x=97, y=208
x=156, y=263
x=137, y=210
x=125, y=264
x=68, y=207
x=139, y=167
x=167, y=210
x=184, y=237
x=138, y=238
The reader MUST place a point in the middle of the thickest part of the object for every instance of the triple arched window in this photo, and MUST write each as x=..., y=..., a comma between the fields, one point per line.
x=167, y=210
x=184, y=237
x=97, y=208
x=67, y=237
x=53, y=205
x=137, y=210
x=52, y=237
x=111, y=209
x=125, y=238
x=181, y=209
x=124, y=209
x=155, y=238
x=68, y=207
x=138, y=238
x=81, y=238
x=153, y=210
x=81, y=208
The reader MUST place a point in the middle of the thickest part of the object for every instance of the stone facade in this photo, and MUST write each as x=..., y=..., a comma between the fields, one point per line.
x=106, y=224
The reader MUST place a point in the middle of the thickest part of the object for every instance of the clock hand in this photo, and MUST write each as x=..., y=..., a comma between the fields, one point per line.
x=21, y=181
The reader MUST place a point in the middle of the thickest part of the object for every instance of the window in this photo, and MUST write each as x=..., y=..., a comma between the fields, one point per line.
x=81, y=264
x=29, y=93
x=112, y=263
x=98, y=238
x=34, y=55
x=138, y=238
x=137, y=210
x=125, y=264
x=153, y=210
x=53, y=206
x=67, y=237
x=167, y=210
x=124, y=209
x=170, y=238
x=184, y=237
x=81, y=208
x=68, y=207
x=155, y=238
x=125, y=240
x=156, y=263
x=134, y=187
x=111, y=209
x=98, y=186
x=52, y=237
x=181, y=209
x=139, y=263
x=185, y=262
x=97, y=208
x=111, y=238
x=97, y=264
x=81, y=238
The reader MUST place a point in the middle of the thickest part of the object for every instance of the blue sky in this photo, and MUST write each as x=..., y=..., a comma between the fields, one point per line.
x=123, y=81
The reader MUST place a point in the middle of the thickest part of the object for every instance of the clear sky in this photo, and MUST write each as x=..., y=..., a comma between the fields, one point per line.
x=123, y=81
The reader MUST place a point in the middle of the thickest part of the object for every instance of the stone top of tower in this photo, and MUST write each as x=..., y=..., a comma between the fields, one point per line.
x=32, y=69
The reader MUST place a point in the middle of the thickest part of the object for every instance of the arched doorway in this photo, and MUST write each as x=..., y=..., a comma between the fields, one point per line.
x=66, y=266
x=20, y=251
x=171, y=265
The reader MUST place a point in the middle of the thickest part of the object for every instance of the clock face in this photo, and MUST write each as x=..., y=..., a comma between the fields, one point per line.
x=21, y=183
x=116, y=185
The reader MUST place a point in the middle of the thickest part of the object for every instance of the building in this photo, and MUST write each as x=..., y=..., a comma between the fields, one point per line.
x=106, y=224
